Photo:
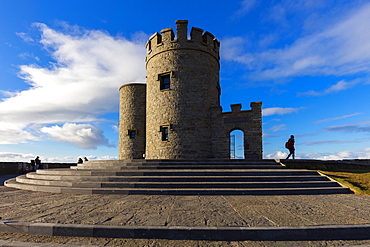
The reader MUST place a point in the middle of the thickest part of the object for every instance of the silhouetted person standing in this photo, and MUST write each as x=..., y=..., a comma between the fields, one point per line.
x=37, y=163
x=290, y=146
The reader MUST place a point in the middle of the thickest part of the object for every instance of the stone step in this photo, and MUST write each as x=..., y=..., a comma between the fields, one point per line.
x=180, y=161
x=174, y=177
x=184, y=172
x=171, y=167
x=175, y=163
x=314, y=177
x=202, y=184
x=179, y=191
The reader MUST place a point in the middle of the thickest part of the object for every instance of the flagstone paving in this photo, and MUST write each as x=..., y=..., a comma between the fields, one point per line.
x=167, y=210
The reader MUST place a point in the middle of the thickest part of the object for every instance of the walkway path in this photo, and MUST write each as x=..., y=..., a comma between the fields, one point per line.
x=164, y=210
x=196, y=211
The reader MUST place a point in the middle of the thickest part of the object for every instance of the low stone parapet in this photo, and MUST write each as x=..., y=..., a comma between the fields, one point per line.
x=7, y=168
x=320, y=164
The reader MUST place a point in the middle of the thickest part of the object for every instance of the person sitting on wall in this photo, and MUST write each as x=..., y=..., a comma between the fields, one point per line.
x=33, y=166
x=80, y=161
x=85, y=159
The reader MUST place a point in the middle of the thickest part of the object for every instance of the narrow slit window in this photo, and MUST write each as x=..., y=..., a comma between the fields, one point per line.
x=164, y=131
x=132, y=134
x=149, y=46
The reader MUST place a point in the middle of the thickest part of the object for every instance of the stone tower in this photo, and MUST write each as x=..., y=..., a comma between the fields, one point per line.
x=132, y=121
x=182, y=85
x=177, y=113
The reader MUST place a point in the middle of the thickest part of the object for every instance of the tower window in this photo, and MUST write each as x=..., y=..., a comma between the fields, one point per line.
x=132, y=134
x=149, y=46
x=165, y=81
x=164, y=131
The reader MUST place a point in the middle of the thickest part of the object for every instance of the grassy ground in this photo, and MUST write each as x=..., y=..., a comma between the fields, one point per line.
x=357, y=180
x=356, y=177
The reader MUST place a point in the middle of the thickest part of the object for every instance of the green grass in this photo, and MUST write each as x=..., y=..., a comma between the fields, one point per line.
x=356, y=177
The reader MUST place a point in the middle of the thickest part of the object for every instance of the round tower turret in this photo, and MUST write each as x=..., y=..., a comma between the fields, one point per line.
x=182, y=87
x=132, y=121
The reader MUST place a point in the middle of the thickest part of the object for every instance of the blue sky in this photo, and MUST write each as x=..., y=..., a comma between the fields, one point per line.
x=62, y=63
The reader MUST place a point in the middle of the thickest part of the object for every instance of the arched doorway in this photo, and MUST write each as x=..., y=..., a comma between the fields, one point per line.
x=237, y=144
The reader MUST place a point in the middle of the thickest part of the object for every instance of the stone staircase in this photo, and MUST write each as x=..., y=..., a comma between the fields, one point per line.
x=178, y=177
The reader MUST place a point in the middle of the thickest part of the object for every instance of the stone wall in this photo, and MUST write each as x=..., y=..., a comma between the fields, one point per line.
x=364, y=161
x=9, y=168
x=248, y=121
x=324, y=164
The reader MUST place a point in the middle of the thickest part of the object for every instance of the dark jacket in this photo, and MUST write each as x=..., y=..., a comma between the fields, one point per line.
x=290, y=144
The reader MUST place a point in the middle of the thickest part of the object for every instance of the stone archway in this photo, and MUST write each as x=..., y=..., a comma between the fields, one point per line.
x=236, y=148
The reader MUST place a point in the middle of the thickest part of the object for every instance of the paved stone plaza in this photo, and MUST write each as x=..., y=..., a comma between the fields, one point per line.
x=164, y=210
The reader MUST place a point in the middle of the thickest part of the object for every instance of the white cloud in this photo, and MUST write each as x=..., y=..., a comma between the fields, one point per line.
x=278, y=111
x=13, y=133
x=16, y=157
x=232, y=49
x=79, y=86
x=246, y=6
x=22, y=157
x=26, y=55
x=337, y=118
x=276, y=155
x=351, y=127
x=25, y=37
x=340, y=155
x=278, y=127
x=315, y=143
x=340, y=86
x=85, y=136
x=340, y=49
x=265, y=135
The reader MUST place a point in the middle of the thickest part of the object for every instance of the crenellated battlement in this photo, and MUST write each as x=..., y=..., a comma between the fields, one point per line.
x=168, y=40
